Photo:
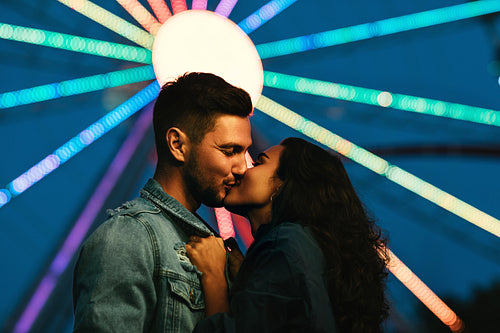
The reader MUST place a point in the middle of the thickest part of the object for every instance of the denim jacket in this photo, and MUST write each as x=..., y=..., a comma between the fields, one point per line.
x=133, y=274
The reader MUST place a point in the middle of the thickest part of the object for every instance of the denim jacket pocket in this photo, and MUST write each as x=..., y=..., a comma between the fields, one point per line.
x=188, y=291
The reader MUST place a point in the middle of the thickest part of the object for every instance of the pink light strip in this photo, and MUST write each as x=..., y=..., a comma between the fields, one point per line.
x=224, y=222
x=141, y=15
x=243, y=229
x=160, y=9
x=84, y=222
x=424, y=293
x=225, y=7
x=199, y=4
x=178, y=6
x=111, y=21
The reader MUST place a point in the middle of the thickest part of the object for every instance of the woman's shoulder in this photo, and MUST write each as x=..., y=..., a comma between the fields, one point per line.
x=291, y=238
x=290, y=231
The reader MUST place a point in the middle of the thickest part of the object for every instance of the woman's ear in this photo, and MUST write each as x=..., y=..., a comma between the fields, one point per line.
x=178, y=143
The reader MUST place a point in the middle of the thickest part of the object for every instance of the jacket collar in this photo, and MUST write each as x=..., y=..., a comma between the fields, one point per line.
x=154, y=192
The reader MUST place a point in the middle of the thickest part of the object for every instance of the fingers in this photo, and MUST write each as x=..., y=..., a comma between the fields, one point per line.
x=194, y=238
x=210, y=241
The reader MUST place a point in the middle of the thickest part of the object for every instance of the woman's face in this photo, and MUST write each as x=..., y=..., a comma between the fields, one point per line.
x=257, y=185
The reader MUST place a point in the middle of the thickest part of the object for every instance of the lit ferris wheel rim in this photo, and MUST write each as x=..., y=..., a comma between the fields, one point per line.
x=277, y=80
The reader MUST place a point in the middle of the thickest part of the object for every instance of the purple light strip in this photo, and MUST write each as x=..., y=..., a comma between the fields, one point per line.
x=84, y=222
x=199, y=4
x=225, y=7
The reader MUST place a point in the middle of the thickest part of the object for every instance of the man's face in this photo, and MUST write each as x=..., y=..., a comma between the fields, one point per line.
x=217, y=163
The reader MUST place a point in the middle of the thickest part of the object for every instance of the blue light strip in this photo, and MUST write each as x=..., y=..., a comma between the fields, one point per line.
x=378, y=28
x=76, y=86
x=78, y=143
x=264, y=14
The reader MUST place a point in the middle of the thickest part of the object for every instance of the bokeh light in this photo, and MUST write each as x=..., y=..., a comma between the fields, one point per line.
x=225, y=7
x=76, y=86
x=424, y=293
x=141, y=15
x=111, y=21
x=178, y=6
x=379, y=165
x=80, y=141
x=264, y=14
x=375, y=29
x=75, y=43
x=382, y=98
x=160, y=9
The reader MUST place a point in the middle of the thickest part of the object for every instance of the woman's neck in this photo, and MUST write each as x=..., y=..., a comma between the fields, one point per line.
x=258, y=217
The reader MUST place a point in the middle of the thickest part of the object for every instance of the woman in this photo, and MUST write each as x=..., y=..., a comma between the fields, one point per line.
x=317, y=263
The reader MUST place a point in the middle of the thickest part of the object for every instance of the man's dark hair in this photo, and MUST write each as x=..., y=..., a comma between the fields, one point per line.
x=192, y=103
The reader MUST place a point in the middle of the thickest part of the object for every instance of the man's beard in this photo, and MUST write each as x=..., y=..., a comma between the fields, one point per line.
x=199, y=185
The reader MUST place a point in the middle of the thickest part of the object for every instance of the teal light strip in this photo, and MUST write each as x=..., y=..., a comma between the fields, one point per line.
x=76, y=86
x=378, y=28
x=382, y=98
x=379, y=165
x=75, y=43
x=78, y=143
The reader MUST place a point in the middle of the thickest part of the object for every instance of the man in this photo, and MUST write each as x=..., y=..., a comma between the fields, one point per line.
x=133, y=274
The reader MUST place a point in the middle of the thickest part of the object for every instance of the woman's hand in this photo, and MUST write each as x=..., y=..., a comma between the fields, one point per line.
x=209, y=257
x=207, y=254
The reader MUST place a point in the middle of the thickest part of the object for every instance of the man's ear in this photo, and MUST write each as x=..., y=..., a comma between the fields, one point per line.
x=178, y=143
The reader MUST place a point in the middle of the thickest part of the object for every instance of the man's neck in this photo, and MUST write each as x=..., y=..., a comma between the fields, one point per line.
x=171, y=181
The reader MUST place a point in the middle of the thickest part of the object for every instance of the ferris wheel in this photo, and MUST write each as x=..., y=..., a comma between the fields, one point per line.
x=76, y=70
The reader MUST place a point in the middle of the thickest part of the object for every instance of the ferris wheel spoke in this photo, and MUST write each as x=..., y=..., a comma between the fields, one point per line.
x=424, y=293
x=84, y=222
x=225, y=7
x=199, y=4
x=78, y=143
x=160, y=9
x=264, y=14
x=75, y=43
x=76, y=86
x=141, y=15
x=111, y=21
x=178, y=6
x=379, y=165
x=377, y=28
x=382, y=98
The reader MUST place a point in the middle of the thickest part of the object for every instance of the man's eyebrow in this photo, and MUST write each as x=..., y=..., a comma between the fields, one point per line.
x=232, y=145
x=262, y=155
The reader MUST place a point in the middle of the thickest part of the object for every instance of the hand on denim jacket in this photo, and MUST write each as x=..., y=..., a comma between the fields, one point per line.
x=209, y=256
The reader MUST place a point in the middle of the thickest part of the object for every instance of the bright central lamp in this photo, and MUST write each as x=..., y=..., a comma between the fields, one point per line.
x=203, y=41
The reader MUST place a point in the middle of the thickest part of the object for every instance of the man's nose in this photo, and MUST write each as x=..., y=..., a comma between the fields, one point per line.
x=239, y=166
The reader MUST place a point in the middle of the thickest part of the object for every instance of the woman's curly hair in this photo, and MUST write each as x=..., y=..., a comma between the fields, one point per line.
x=317, y=192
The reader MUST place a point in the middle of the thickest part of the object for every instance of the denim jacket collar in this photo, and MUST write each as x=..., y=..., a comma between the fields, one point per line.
x=154, y=192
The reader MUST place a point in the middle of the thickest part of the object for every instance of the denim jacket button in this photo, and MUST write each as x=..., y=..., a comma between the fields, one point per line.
x=191, y=295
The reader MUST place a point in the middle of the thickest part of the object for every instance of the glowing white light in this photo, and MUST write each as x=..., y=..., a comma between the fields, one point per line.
x=203, y=41
x=384, y=99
